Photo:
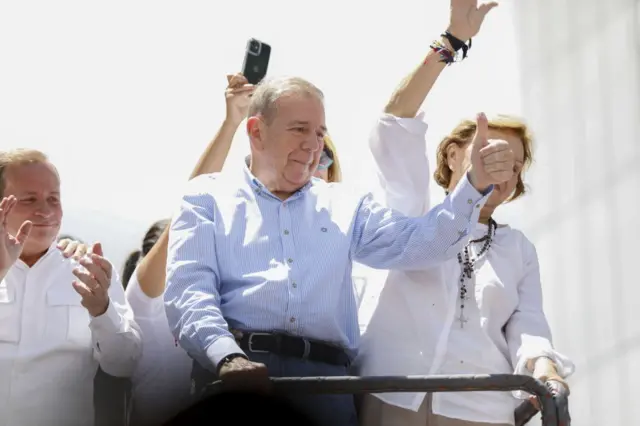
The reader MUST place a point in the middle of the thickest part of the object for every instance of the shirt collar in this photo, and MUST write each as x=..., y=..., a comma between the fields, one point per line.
x=259, y=188
x=52, y=251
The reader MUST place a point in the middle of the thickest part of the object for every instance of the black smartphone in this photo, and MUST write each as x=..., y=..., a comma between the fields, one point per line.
x=256, y=61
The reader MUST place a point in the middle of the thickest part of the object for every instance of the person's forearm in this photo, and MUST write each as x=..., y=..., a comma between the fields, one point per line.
x=413, y=90
x=151, y=271
x=213, y=158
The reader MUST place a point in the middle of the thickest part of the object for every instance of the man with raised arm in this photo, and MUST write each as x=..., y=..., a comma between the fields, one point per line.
x=267, y=251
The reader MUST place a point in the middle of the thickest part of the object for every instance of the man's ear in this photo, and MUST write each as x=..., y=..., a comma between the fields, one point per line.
x=255, y=130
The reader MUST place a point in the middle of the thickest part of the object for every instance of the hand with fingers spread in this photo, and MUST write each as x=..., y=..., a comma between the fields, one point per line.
x=238, y=97
x=10, y=245
x=72, y=249
x=94, y=281
x=492, y=161
x=466, y=17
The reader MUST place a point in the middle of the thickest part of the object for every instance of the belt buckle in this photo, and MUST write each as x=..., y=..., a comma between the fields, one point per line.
x=250, y=343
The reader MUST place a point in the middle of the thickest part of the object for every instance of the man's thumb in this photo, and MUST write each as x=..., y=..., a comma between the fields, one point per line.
x=481, y=137
x=97, y=249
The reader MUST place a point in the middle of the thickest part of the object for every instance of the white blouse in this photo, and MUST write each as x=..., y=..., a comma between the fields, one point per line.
x=162, y=380
x=414, y=329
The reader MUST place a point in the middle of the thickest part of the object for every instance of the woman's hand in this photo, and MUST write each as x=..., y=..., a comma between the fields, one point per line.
x=72, y=249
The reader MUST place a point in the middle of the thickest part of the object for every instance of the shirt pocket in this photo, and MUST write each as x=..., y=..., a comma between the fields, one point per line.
x=9, y=314
x=68, y=320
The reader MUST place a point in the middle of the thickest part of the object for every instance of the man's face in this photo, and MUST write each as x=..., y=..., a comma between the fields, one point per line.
x=292, y=143
x=37, y=189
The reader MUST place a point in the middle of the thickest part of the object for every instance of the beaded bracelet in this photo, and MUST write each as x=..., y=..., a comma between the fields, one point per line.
x=446, y=55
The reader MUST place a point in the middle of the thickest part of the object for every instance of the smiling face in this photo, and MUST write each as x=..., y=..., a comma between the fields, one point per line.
x=287, y=143
x=37, y=188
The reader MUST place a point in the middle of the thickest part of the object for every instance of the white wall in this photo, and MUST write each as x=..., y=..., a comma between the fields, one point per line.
x=580, y=62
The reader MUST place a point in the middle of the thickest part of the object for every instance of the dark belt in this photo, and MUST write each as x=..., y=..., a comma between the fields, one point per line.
x=294, y=347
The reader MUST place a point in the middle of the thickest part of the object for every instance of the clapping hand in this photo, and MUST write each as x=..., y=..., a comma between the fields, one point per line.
x=94, y=280
x=10, y=245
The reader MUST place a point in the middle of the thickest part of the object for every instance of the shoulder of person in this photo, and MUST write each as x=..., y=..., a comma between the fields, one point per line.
x=525, y=245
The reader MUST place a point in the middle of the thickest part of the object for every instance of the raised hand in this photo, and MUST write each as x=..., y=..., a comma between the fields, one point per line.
x=238, y=97
x=492, y=161
x=10, y=245
x=467, y=16
x=94, y=281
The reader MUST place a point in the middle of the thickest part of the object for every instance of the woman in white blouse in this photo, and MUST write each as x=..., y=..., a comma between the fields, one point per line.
x=478, y=313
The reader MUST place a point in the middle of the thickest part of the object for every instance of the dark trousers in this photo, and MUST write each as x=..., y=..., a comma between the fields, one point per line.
x=326, y=410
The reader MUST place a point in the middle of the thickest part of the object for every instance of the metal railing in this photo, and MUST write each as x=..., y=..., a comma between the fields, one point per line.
x=553, y=399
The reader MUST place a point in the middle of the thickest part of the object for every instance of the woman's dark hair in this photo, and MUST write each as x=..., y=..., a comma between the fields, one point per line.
x=150, y=239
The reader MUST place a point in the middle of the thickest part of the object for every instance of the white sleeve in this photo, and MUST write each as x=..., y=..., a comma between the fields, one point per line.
x=116, y=336
x=527, y=331
x=143, y=306
x=399, y=148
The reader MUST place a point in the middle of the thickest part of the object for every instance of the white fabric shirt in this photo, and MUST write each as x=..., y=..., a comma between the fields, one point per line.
x=162, y=379
x=416, y=311
x=50, y=347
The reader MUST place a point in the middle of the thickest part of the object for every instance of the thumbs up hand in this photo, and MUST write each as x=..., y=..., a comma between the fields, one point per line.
x=492, y=161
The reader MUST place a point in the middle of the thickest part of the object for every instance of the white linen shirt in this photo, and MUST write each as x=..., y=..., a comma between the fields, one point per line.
x=413, y=329
x=50, y=347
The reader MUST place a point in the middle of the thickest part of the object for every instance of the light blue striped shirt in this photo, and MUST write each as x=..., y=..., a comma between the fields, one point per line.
x=240, y=257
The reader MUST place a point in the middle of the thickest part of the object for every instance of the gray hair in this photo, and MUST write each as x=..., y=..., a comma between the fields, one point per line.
x=270, y=90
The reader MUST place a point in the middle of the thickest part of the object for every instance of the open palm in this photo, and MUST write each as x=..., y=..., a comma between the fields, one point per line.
x=10, y=246
x=467, y=17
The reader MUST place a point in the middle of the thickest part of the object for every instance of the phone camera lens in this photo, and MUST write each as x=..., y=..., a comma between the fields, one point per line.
x=255, y=47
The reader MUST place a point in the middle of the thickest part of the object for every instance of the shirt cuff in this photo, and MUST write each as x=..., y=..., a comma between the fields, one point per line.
x=222, y=348
x=109, y=322
x=564, y=366
x=416, y=125
x=467, y=200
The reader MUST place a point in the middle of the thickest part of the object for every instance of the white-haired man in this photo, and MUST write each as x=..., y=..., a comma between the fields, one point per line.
x=59, y=318
x=268, y=251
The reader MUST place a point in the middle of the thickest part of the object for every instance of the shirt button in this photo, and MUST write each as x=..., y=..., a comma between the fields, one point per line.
x=292, y=319
x=294, y=285
x=290, y=260
x=470, y=201
x=477, y=206
x=286, y=232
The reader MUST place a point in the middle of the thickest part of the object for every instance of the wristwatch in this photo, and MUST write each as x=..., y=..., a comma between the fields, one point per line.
x=228, y=359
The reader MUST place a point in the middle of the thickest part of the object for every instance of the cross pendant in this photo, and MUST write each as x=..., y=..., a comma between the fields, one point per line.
x=462, y=320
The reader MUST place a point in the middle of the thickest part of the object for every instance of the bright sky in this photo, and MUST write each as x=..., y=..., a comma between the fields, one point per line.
x=125, y=95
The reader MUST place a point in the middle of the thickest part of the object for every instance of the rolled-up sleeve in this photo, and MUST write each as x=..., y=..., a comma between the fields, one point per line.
x=116, y=337
x=386, y=239
x=527, y=331
x=192, y=295
x=399, y=147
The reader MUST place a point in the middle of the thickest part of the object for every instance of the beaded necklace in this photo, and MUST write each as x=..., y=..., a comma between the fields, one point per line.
x=468, y=263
